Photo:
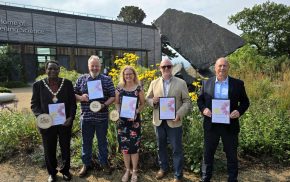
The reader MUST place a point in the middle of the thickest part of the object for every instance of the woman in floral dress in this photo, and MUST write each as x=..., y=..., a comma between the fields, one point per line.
x=129, y=130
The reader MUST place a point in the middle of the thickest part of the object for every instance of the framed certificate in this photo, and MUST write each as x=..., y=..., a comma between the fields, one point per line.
x=221, y=111
x=57, y=112
x=95, y=89
x=128, y=107
x=167, y=108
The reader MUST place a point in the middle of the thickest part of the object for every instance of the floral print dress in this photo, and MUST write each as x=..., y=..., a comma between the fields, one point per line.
x=129, y=132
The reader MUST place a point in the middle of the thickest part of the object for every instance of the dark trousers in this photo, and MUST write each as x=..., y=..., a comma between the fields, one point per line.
x=230, y=144
x=49, y=140
x=164, y=133
x=89, y=129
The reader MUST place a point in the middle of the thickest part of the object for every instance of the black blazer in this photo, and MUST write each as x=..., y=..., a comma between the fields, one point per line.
x=41, y=97
x=238, y=100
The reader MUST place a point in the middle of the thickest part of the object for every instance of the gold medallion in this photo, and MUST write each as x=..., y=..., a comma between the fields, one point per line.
x=114, y=115
x=95, y=106
x=44, y=121
x=54, y=99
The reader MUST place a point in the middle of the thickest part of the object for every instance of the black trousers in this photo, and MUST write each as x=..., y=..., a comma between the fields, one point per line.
x=49, y=140
x=230, y=144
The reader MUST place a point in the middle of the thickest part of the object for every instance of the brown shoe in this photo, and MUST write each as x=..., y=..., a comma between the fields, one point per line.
x=176, y=180
x=160, y=174
x=84, y=171
x=107, y=169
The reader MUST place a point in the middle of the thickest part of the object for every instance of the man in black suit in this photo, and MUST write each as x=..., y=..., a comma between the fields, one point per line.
x=222, y=86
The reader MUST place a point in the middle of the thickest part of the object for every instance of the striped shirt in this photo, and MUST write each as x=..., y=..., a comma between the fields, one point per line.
x=82, y=88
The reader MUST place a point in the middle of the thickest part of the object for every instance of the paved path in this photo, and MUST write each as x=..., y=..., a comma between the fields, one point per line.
x=24, y=96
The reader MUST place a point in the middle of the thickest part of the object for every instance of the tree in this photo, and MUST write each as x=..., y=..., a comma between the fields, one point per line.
x=267, y=26
x=10, y=65
x=131, y=14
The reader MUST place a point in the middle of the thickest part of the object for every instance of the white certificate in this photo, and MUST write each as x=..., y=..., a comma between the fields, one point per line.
x=95, y=89
x=167, y=109
x=221, y=111
x=57, y=112
x=128, y=107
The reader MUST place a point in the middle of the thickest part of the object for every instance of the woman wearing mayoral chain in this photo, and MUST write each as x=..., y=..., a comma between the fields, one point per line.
x=48, y=93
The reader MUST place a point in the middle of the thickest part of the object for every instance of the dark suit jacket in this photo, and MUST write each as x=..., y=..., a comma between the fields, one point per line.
x=238, y=101
x=41, y=97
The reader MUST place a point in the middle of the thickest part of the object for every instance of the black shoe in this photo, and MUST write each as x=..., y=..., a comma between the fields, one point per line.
x=203, y=180
x=52, y=178
x=67, y=176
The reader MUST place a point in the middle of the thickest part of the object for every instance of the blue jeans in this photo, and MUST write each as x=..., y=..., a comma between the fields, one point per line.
x=165, y=134
x=88, y=131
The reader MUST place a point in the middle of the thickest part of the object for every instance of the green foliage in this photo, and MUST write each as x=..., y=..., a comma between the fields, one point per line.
x=64, y=73
x=247, y=60
x=9, y=63
x=5, y=90
x=193, y=139
x=131, y=14
x=265, y=126
x=267, y=27
x=13, y=84
x=265, y=131
x=18, y=133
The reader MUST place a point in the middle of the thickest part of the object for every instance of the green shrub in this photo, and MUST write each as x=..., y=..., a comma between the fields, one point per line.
x=13, y=84
x=18, y=133
x=64, y=73
x=193, y=139
x=265, y=131
x=5, y=90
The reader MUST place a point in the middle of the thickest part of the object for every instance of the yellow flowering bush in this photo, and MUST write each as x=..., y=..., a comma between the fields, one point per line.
x=193, y=95
x=145, y=75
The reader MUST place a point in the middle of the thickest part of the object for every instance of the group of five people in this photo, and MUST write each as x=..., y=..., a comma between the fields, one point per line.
x=58, y=90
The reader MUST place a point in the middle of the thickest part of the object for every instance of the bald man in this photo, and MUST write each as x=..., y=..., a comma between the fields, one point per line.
x=169, y=130
x=222, y=87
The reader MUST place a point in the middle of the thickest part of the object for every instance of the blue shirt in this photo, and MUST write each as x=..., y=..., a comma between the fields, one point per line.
x=82, y=88
x=221, y=89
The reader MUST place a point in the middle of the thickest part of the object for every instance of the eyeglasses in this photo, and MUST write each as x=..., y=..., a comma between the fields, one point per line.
x=166, y=66
x=129, y=74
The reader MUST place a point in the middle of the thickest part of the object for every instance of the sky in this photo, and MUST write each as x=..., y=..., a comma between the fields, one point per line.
x=218, y=11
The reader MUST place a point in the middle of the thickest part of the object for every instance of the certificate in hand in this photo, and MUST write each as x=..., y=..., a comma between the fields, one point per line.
x=95, y=89
x=57, y=112
x=167, y=110
x=221, y=111
x=128, y=107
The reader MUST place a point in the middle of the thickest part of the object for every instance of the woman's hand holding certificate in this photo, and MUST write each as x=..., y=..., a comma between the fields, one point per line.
x=128, y=107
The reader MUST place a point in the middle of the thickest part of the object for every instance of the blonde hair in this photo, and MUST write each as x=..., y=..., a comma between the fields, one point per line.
x=122, y=81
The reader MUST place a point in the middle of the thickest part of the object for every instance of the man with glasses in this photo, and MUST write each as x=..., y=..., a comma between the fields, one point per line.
x=169, y=130
x=94, y=122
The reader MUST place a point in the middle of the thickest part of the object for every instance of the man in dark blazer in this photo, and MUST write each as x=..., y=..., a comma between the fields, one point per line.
x=222, y=86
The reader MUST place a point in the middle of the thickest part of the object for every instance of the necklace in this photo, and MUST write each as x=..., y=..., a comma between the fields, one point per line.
x=54, y=99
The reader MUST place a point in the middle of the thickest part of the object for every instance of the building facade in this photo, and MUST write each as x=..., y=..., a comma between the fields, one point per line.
x=41, y=35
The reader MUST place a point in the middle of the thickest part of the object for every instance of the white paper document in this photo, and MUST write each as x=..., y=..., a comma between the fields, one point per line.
x=128, y=107
x=167, y=109
x=95, y=89
x=57, y=112
x=221, y=111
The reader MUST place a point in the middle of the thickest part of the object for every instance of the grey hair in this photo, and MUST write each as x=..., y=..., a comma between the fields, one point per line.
x=94, y=57
x=166, y=58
